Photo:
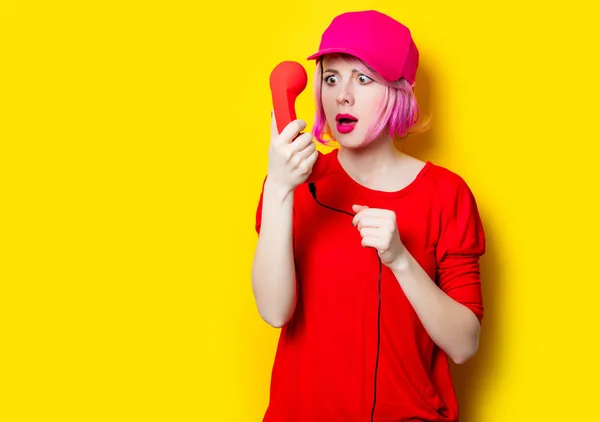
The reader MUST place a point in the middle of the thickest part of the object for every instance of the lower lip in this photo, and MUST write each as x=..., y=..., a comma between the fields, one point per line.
x=346, y=128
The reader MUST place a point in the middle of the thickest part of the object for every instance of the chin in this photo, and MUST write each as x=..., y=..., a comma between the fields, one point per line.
x=352, y=140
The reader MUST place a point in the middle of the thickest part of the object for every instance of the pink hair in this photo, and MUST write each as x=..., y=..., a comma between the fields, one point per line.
x=398, y=111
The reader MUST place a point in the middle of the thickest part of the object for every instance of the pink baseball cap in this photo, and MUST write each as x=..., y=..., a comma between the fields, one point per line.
x=380, y=41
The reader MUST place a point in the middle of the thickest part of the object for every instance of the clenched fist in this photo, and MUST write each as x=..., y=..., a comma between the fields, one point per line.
x=378, y=229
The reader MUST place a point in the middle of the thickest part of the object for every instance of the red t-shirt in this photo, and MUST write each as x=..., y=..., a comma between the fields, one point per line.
x=325, y=362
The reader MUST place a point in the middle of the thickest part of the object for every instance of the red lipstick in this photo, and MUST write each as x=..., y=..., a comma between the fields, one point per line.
x=345, y=123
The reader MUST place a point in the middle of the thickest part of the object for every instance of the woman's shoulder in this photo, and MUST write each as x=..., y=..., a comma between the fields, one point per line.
x=453, y=194
x=446, y=179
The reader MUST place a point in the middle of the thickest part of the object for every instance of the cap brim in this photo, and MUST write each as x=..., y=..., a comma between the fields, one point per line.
x=367, y=60
x=333, y=50
x=349, y=51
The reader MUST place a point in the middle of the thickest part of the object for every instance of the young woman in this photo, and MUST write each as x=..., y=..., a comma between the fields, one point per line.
x=370, y=267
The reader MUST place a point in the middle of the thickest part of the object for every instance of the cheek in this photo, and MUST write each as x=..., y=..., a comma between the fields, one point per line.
x=374, y=101
x=327, y=98
x=369, y=107
x=328, y=106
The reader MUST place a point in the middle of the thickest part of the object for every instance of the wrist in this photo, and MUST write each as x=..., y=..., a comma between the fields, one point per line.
x=402, y=263
x=277, y=190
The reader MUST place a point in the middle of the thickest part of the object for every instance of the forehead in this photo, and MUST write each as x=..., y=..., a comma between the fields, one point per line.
x=337, y=61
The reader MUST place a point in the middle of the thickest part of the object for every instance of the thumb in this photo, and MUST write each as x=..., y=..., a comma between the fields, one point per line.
x=359, y=208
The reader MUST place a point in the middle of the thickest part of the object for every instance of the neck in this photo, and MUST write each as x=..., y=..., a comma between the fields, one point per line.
x=371, y=160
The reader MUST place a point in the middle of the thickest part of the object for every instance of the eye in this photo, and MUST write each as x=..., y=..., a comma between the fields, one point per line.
x=330, y=79
x=364, y=79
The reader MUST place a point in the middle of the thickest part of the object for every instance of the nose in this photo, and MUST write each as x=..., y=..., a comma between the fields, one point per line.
x=345, y=96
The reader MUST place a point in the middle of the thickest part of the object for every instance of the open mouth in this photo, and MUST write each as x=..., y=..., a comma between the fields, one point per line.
x=345, y=122
x=345, y=119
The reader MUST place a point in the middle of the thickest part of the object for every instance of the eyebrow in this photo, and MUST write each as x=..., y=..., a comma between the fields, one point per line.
x=335, y=71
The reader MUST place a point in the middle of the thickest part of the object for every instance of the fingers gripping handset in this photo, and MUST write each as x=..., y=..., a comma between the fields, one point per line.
x=292, y=153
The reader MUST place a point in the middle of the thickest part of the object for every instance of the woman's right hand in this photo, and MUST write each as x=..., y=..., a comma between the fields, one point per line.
x=290, y=160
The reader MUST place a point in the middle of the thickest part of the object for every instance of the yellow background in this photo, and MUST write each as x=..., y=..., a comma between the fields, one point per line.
x=133, y=147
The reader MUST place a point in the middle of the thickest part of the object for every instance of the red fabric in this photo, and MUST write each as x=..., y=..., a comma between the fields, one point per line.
x=325, y=359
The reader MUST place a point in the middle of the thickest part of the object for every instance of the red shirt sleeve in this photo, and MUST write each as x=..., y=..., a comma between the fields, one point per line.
x=461, y=244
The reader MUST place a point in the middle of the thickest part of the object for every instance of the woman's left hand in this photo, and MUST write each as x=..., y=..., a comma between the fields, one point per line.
x=379, y=230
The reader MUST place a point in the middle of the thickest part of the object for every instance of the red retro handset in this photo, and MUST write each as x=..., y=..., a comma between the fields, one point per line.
x=288, y=80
